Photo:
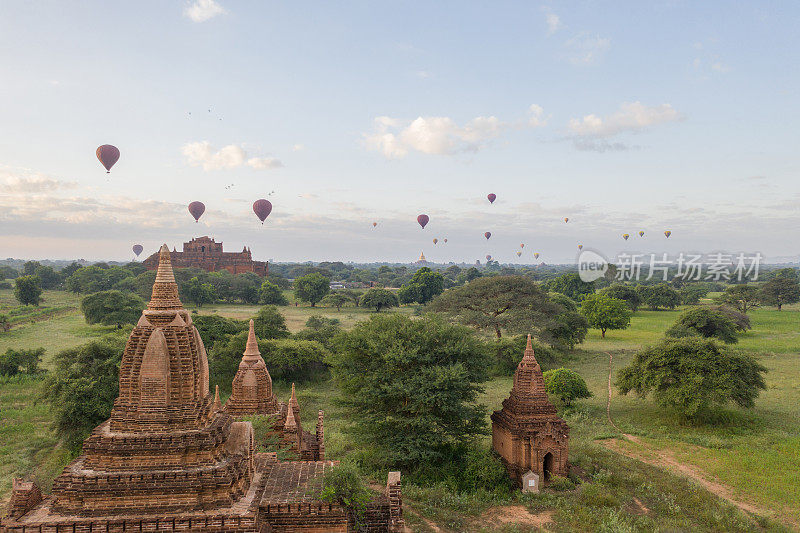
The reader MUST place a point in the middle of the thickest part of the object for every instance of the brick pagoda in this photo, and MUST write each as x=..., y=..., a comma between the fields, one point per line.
x=527, y=432
x=206, y=253
x=171, y=459
x=252, y=395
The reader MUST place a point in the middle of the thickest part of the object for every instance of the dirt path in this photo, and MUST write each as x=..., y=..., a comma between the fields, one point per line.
x=664, y=459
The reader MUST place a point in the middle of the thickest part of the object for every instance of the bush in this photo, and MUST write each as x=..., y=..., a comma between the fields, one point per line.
x=379, y=299
x=213, y=328
x=741, y=320
x=270, y=324
x=14, y=362
x=691, y=374
x=271, y=294
x=320, y=329
x=565, y=384
x=112, y=308
x=342, y=485
x=704, y=322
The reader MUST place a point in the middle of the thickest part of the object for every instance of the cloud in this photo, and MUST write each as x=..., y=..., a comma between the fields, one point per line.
x=25, y=182
x=395, y=138
x=553, y=21
x=201, y=153
x=298, y=148
x=203, y=10
x=590, y=131
x=585, y=49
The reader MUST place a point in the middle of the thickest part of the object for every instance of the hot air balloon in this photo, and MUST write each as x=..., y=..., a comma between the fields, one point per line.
x=522, y=245
x=487, y=235
x=580, y=247
x=423, y=220
x=137, y=249
x=488, y=257
x=667, y=234
x=641, y=234
x=108, y=155
x=197, y=209
x=625, y=236
x=435, y=241
x=566, y=219
x=519, y=253
x=492, y=197
x=445, y=241
x=374, y=224
x=536, y=255
x=262, y=208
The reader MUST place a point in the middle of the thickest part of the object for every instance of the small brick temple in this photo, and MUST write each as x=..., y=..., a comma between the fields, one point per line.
x=527, y=432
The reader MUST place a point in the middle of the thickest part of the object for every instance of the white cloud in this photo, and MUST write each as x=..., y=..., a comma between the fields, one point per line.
x=203, y=10
x=585, y=49
x=720, y=67
x=201, y=153
x=26, y=182
x=631, y=117
x=298, y=148
x=395, y=138
x=553, y=21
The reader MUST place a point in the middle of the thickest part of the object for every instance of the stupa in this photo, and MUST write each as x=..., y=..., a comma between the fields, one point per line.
x=252, y=385
x=527, y=432
x=171, y=459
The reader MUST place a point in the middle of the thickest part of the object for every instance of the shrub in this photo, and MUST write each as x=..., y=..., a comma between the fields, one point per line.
x=270, y=324
x=704, y=322
x=379, y=299
x=342, y=485
x=565, y=384
x=14, y=362
x=112, y=308
x=271, y=294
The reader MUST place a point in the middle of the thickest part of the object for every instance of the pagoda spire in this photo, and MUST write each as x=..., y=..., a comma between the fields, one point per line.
x=251, y=348
x=217, y=403
x=165, y=290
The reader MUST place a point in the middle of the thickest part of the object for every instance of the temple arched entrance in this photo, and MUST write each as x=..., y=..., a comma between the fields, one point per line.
x=547, y=466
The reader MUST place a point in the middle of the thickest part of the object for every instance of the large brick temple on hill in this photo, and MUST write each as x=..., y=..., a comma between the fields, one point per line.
x=206, y=253
x=172, y=458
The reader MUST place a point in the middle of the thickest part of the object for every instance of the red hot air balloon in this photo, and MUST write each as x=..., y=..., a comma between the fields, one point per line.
x=445, y=241
x=423, y=220
x=197, y=209
x=374, y=224
x=108, y=155
x=262, y=208
x=487, y=235
x=137, y=249
x=492, y=197
x=488, y=257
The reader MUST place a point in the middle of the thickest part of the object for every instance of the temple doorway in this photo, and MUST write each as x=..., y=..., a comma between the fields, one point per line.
x=547, y=466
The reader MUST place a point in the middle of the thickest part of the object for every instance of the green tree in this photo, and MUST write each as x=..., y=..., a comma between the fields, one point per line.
x=512, y=303
x=311, y=288
x=741, y=320
x=690, y=374
x=214, y=328
x=509, y=351
x=563, y=300
x=28, y=290
x=743, y=297
x=270, y=324
x=245, y=287
x=412, y=386
x=566, y=384
x=705, y=322
x=570, y=284
x=7, y=272
x=778, y=291
x=83, y=386
x=320, y=329
x=424, y=285
x=198, y=293
x=112, y=308
x=691, y=294
x=14, y=362
x=568, y=329
x=335, y=299
x=604, y=313
x=658, y=296
x=49, y=278
x=379, y=299
x=271, y=294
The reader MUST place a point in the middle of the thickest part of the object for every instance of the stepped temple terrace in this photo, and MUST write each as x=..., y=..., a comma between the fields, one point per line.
x=206, y=253
x=527, y=432
x=172, y=458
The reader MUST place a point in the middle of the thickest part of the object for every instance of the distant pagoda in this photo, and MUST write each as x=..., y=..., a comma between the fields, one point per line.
x=527, y=432
x=204, y=252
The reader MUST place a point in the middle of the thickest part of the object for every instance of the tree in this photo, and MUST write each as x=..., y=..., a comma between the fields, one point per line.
x=691, y=294
x=214, y=328
x=779, y=291
x=335, y=299
x=411, y=386
x=563, y=300
x=425, y=284
x=379, y=299
x=244, y=287
x=311, y=288
x=512, y=303
x=271, y=294
x=14, y=362
x=570, y=284
x=5, y=323
x=742, y=297
x=48, y=277
x=566, y=384
x=7, y=272
x=112, y=308
x=270, y=324
x=604, y=313
x=569, y=328
x=320, y=329
x=508, y=353
x=691, y=373
x=704, y=322
x=625, y=293
x=741, y=320
x=28, y=290
x=198, y=293
x=657, y=296
x=83, y=386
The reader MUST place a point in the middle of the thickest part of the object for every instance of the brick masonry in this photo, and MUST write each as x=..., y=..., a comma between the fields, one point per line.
x=206, y=253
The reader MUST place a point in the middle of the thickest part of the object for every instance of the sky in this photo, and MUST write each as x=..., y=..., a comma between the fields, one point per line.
x=621, y=116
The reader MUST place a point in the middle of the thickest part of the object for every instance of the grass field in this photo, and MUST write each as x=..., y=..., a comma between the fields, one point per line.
x=756, y=453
